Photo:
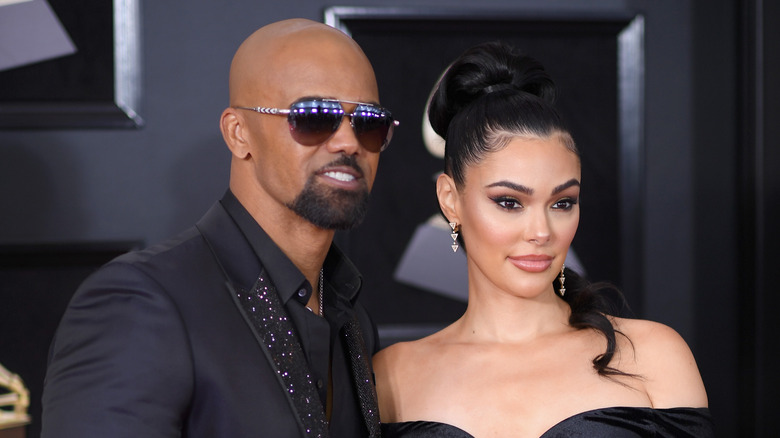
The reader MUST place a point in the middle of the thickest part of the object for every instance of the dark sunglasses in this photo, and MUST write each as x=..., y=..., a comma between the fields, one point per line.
x=314, y=121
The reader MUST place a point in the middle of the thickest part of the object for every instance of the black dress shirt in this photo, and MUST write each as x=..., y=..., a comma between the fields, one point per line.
x=319, y=337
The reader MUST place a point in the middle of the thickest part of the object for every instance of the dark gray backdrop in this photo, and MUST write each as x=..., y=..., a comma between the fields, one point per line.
x=709, y=165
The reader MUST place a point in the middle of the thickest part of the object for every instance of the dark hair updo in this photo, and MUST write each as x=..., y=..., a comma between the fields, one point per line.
x=488, y=96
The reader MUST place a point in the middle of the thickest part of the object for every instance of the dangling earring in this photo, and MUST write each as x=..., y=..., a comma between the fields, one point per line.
x=455, y=228
x=562, y=279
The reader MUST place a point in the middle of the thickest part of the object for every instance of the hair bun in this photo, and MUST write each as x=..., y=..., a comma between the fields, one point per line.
x=497, y=87
x=486, y=69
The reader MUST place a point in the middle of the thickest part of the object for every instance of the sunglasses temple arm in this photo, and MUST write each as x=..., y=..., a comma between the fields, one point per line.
x=265, y=110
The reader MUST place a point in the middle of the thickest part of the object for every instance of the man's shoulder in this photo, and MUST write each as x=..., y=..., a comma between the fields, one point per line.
x=173, y=257
x=187, y=247
x=195, y=258
x=170, y=254
x=185, y=244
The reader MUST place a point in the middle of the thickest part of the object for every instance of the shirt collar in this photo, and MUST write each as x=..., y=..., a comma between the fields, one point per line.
x=341, y=275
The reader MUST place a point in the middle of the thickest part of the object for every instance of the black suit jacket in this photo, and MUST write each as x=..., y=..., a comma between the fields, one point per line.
x=154, y=345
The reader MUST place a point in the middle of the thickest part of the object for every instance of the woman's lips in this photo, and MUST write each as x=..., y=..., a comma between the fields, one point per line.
x=532, y=263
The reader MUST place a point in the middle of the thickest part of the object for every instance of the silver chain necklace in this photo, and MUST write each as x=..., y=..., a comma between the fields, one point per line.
x=322, y=291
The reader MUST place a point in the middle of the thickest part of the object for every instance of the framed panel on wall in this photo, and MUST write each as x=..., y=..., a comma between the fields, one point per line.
x=413, y=283
x=94, y=85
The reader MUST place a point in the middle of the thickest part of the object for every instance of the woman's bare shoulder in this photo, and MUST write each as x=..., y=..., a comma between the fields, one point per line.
x=394, y=372
x=411, y=355
x=665, y=362
x=389, y=357
x=646, y=331
x=400, y=355
x=408, y=352
x=653, y=337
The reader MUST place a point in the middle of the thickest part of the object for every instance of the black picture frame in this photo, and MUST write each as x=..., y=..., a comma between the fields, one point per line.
x=410, y=46
x=96, y=87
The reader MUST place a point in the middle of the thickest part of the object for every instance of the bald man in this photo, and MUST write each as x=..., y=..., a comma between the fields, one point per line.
x=247, y=324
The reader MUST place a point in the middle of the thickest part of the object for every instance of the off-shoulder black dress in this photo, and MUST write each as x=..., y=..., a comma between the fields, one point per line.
x=615, y=422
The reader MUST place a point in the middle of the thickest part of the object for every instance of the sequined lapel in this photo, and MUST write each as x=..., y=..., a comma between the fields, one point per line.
x=273, y=329
x=361, y=373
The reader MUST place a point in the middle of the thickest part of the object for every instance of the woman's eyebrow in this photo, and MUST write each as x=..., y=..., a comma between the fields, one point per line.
x=529, y=191
x=566, y=185
x=510, y=185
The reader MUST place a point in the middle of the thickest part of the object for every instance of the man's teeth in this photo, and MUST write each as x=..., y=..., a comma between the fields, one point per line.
x=341, y=176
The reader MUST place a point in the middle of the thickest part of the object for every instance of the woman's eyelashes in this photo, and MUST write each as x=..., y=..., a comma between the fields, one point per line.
x=511, y=203
x=507, y=202
x=565, y=204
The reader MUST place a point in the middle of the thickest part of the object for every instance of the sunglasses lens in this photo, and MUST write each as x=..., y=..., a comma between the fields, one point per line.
x=313, y=121
x=373, y=126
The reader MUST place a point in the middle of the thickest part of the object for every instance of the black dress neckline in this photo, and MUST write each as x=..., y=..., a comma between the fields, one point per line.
x=618, y=421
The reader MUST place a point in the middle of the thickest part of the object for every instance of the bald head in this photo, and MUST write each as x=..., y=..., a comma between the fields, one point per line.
x=296, y=53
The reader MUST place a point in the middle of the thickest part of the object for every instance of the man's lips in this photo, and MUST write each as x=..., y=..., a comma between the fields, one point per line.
x=340, y=175
x=532, y=263
x=344, y=176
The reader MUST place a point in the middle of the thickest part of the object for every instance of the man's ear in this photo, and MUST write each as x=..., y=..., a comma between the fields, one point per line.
x=447, y=193
x=233, y=131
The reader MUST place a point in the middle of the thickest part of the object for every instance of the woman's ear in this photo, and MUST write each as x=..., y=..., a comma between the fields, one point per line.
x=448, y=196
x=233, y=131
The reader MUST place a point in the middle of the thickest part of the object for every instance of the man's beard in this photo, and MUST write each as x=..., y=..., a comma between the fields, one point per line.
x=331, y=208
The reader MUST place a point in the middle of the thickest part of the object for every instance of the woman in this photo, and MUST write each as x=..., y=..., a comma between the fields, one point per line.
x=536, y=353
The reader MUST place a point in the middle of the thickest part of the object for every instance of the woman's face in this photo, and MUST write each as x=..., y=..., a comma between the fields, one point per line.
x=518, y=211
